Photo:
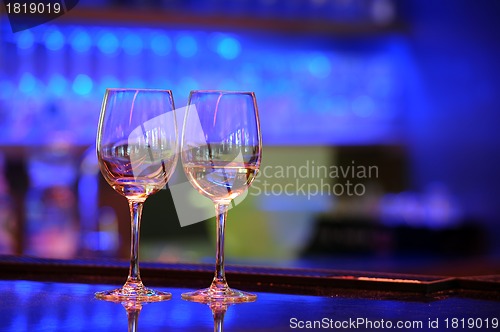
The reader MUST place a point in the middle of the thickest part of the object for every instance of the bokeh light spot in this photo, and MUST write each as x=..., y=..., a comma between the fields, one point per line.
x=228, y=48
x=108, y=43
x=80, y=40
x=82, y=84
x=27, y=83
x=25, y=40
x=319, y=66
x=54, y=40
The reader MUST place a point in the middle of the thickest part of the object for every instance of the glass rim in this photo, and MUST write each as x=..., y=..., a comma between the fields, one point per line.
x=138, y=89
x=233, y=92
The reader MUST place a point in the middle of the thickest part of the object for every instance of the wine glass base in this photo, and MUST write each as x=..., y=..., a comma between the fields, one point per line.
x=139, y=295
x=227, y=295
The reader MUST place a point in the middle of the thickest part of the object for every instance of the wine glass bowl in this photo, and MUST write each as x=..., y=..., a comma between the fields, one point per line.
x=221, y=155
x=137, y=153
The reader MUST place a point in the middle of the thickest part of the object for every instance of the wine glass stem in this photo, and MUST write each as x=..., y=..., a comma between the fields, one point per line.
x=133, y=319
x=219, y=321
x=220, y=276
x=134, y=277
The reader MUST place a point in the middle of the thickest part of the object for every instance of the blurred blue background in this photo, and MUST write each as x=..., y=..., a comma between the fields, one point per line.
x=410, y=86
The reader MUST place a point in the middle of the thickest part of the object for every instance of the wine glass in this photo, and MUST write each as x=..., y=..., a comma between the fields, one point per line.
x=221, y=155
x=137, y=152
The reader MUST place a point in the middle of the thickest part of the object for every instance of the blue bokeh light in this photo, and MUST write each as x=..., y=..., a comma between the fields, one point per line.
x=27, y=83
x=82, y=84
x=108, y=43
x=319, y=66
x=161, y=44
x=132, y=44
x=80, y=40
x=54, y=40
x=186, y=46
x=229, y=48
x=230, y=61
x=25, y=40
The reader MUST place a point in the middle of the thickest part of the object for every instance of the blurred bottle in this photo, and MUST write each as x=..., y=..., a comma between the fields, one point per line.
x=51, y=226
x=108, y=236
x=98, y=226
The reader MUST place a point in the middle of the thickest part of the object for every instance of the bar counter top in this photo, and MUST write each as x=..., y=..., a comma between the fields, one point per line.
x=52, y=295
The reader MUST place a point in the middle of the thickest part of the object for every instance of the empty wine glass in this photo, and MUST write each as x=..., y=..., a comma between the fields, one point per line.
x=137, y=152
x=221, y=154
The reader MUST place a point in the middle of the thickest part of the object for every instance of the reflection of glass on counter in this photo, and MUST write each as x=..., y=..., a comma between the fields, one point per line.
x=218, y=311
x=133, y=309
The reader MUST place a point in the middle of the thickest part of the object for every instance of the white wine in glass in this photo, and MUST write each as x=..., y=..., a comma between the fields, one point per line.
x=221, y=155
x=137, y=152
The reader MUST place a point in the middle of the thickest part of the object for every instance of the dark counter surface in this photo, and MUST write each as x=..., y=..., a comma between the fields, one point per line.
x=51, y=295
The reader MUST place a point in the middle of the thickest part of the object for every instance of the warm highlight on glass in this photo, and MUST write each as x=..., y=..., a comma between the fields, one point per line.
x=221, y=154
x=137, y=151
